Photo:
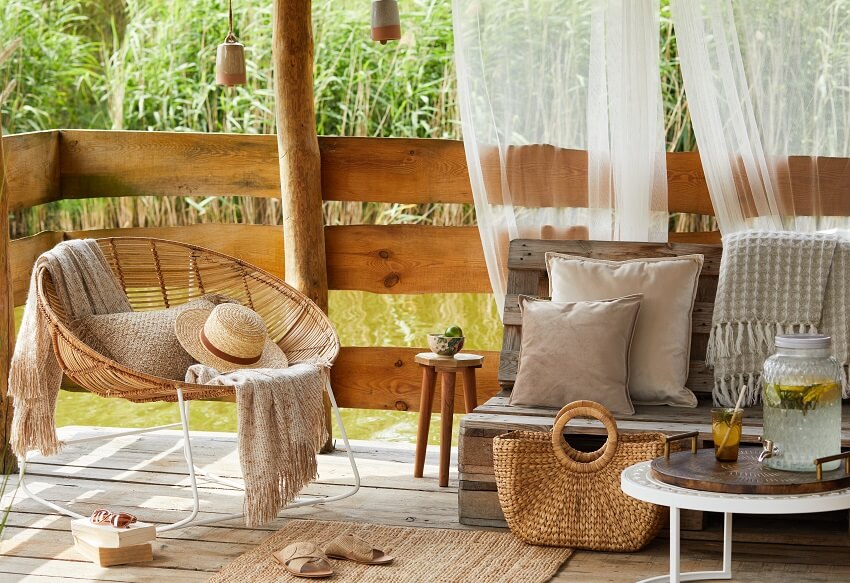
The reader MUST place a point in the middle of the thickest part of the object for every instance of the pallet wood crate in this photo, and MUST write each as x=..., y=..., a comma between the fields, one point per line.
x=478, y=499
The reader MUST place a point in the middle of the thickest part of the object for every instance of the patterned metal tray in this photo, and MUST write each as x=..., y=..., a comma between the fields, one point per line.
x=701, y=471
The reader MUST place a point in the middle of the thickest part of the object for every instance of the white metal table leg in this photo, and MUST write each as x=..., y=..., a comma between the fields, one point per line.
x=676, y=576
x=727, y=545
x=675, y=550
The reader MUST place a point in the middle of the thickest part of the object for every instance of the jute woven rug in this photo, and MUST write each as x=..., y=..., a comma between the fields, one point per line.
x=421, y=554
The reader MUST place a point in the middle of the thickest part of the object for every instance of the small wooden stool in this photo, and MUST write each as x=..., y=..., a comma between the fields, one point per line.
x=448, y=367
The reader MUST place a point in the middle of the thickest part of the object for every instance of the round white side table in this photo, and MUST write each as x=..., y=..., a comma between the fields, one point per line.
x=637, y=481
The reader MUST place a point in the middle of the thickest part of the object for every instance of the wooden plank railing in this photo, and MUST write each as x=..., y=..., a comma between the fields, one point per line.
x=69, y=164
x=99, y=163
x=8, y=463
x=385, y=259
x=32, y=168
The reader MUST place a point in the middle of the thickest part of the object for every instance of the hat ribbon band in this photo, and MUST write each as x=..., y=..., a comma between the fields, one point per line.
x=225, y=356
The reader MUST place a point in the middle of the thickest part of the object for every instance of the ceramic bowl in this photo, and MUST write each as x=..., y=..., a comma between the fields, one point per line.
x=445, y=345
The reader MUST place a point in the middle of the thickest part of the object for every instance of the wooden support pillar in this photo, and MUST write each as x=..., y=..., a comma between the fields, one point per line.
x=298, y=153
x=8, y=463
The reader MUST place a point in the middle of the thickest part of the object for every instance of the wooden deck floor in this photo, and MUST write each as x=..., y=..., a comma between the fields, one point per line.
x=37, y=544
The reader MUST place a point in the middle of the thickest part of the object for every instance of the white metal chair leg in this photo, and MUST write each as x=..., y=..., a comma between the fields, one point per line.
x=187, y=453
x=351, y=461
x=306, y=502
x=202, y=472
x=22, y=484
x=190, y=464
x=309, y=501
x=22, y=462
x=194, y=471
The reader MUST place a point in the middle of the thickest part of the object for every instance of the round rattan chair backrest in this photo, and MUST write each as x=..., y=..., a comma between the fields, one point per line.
x=157, y=274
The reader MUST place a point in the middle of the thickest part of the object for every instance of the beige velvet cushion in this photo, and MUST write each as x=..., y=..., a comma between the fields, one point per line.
x=144, y=341
x=576, y=350
x=660, y=355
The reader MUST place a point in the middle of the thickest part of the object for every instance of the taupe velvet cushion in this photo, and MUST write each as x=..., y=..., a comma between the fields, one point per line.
x=576, y=350
x=144, y=341
x=660, y=355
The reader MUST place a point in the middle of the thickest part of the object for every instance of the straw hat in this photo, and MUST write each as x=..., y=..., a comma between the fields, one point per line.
x=228, y=337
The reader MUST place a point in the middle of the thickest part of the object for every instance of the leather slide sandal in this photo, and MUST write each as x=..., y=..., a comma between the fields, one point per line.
x=304, y=559
x=354, y=548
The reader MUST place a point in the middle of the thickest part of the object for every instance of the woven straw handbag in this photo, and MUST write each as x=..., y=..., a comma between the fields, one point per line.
x=554, y=495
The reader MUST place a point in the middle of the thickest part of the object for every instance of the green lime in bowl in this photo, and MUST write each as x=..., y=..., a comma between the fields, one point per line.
x=448, y=343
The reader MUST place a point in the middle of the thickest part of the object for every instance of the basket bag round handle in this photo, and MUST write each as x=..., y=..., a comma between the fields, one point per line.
x=574, y=454
x=589, y=462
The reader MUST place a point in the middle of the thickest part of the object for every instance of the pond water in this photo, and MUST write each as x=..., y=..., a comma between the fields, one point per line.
x=361, y=319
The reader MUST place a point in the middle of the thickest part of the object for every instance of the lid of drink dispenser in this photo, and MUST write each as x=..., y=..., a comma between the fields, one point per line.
x=811, y=341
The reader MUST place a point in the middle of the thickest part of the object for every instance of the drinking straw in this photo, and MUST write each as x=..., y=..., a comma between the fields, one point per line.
x=734, y=412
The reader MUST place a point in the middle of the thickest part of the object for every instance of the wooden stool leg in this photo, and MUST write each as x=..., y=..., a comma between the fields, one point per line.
x=446, y=412
x=470, y=397
x=426, y=402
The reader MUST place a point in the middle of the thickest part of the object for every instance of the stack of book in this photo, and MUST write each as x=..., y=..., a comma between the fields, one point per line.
x=106, y=545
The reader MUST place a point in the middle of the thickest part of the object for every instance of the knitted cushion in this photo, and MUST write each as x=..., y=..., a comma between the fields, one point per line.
x=144, y=341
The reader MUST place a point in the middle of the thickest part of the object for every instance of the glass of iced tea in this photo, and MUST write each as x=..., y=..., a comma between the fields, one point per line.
x=726, y=427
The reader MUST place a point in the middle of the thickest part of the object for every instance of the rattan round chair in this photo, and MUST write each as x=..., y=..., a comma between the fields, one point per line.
x=157, y=274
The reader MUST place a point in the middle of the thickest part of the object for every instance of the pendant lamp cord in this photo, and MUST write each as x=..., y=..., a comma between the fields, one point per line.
x=231, y=38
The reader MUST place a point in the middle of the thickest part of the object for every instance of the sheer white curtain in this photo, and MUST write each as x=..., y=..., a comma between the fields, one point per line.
x=768, y=87
x=560, y=105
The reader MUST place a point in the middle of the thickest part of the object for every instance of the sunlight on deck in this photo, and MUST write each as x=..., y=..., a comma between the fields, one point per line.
x=37, y=545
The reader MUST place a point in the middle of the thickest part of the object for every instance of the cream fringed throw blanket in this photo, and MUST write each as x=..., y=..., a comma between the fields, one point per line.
x=775, y=283
x=281, y=420
x=85, y=286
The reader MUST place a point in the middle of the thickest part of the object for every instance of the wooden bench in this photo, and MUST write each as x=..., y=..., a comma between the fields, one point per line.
x=478, y=502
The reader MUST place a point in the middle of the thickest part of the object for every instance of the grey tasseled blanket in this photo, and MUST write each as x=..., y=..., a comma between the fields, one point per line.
x=775, y=283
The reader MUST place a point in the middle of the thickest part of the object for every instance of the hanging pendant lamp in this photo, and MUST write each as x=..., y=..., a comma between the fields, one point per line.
x=230, y=56
x=386, y=24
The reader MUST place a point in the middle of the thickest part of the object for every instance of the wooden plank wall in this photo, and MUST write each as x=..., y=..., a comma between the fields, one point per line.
x=384, y=259
x=7, y=326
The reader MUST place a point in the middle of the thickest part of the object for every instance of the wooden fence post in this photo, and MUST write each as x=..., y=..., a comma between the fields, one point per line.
x=8, y=463
x=298, y=152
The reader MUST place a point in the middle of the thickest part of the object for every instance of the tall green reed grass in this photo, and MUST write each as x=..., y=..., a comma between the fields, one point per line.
x=149, y=65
